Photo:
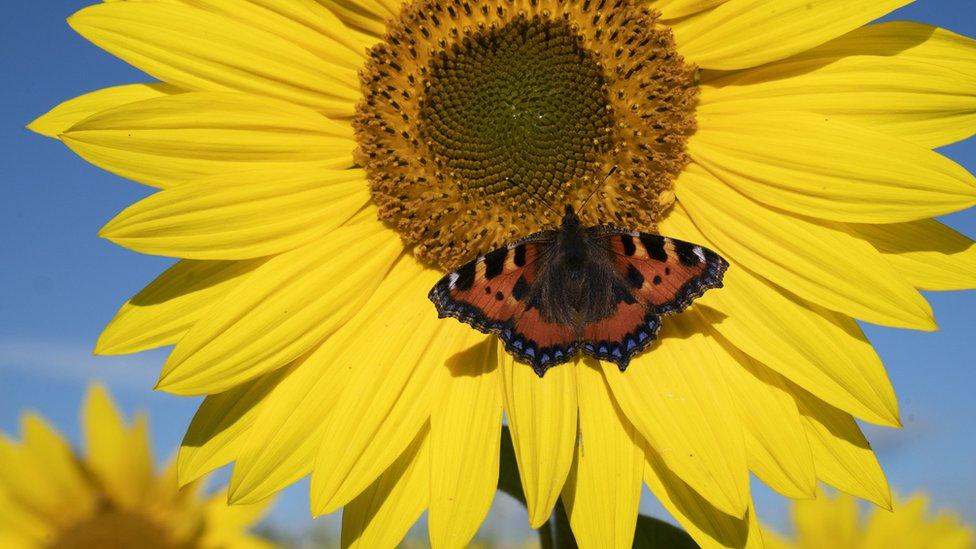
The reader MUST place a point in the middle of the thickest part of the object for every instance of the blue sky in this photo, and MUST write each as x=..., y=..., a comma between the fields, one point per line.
x=61, y=284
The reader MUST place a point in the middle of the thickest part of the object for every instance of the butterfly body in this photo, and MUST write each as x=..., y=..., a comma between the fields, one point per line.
x=598, y=289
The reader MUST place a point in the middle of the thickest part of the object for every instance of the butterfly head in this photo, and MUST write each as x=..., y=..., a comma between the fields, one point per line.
x=570, y=219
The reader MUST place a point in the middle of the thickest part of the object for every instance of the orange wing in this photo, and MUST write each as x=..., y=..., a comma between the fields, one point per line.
x=662, y=276
x=494, y=294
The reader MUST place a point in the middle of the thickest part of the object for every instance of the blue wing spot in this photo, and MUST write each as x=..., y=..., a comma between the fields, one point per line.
x=616, y=352
x=517, y=343
x=631, y=344
x=530, y=351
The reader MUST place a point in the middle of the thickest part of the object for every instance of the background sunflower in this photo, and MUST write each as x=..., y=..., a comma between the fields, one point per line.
x=108, y=495
x=927, y=344
x=838, y=521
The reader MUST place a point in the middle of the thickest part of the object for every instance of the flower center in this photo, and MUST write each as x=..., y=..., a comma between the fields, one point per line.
x=480, y=119
x=517, y=112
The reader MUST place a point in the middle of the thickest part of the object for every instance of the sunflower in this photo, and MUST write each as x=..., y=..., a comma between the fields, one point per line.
x=836, y=522
x=111, y=497
x=322, y=163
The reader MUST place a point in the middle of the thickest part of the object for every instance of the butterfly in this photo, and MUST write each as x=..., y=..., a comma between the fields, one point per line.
x=601, y=290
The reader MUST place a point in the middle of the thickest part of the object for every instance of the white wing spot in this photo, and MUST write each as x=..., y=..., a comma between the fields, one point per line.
x=451, y=280
x=701, y=255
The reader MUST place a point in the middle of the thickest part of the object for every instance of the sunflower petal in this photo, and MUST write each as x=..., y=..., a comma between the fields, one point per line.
x=830, y=522
x=906, y=40
x=542, y=418
x=240, y=215
x=382, y=514
x=368, y=16
x=747, y=33
x=117, y=454
x=464, y=426
x=824, y=265
x=69, y=113
x=776, y=446
x=280, y=447
x=672, y=9
x=174, y=139
x=56, y=462
x=217, y=432
x=282, y=310
x=307, y=24
x=808, y=164
x=165, y=41
x=164, y=310
x=708, y=526
x=393, y=379
x=861, y=82
x=822, y=351
x=930, y=255
x=602, y=492
x=843, y=457
x=676, y=399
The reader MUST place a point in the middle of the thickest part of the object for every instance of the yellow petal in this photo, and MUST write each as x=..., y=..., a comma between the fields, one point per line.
x=747, y=33
x=822, y=264
x=55, y=461
x=394, y=382
x=672, y=9
x=282, y=444
x=382, y=514
x=240, y=215
x=164, y=310
x=171, y=140
x=20, y=526
x=165, y=41
x=676, y=398
x=708, y=526
x=906, y=40
x=828, y=522
x=218, y=429
x=822, y=351
x=118, y=455
x=861, y=82
x=603, y=489
x=821, y=167
x=227, y=524
x=282, y=310
x=69, y=113
x=930, y=255
x=776, y=446
x=368, y=16
x=542, y=419
x=24, y=480
x=307, y=24
x=841, y=454
x=465, y=422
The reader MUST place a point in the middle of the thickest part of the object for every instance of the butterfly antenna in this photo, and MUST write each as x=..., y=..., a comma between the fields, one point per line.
x=597, y=188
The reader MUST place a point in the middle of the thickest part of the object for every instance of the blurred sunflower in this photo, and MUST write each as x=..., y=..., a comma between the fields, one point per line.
x=322, y=162
x=835, y=521
x=111, y=497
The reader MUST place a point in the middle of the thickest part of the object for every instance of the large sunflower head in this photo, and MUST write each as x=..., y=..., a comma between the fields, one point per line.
x=837, y=521
x=110, y=496
x=321, y=163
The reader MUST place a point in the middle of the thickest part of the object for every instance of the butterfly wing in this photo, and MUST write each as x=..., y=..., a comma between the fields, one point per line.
x=494, y=294
x=658, y=275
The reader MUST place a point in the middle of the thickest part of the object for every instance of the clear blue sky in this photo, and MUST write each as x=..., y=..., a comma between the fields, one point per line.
x=61, y=284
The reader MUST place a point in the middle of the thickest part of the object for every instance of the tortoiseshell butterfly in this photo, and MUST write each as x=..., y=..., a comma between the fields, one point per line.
x=598, y=289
